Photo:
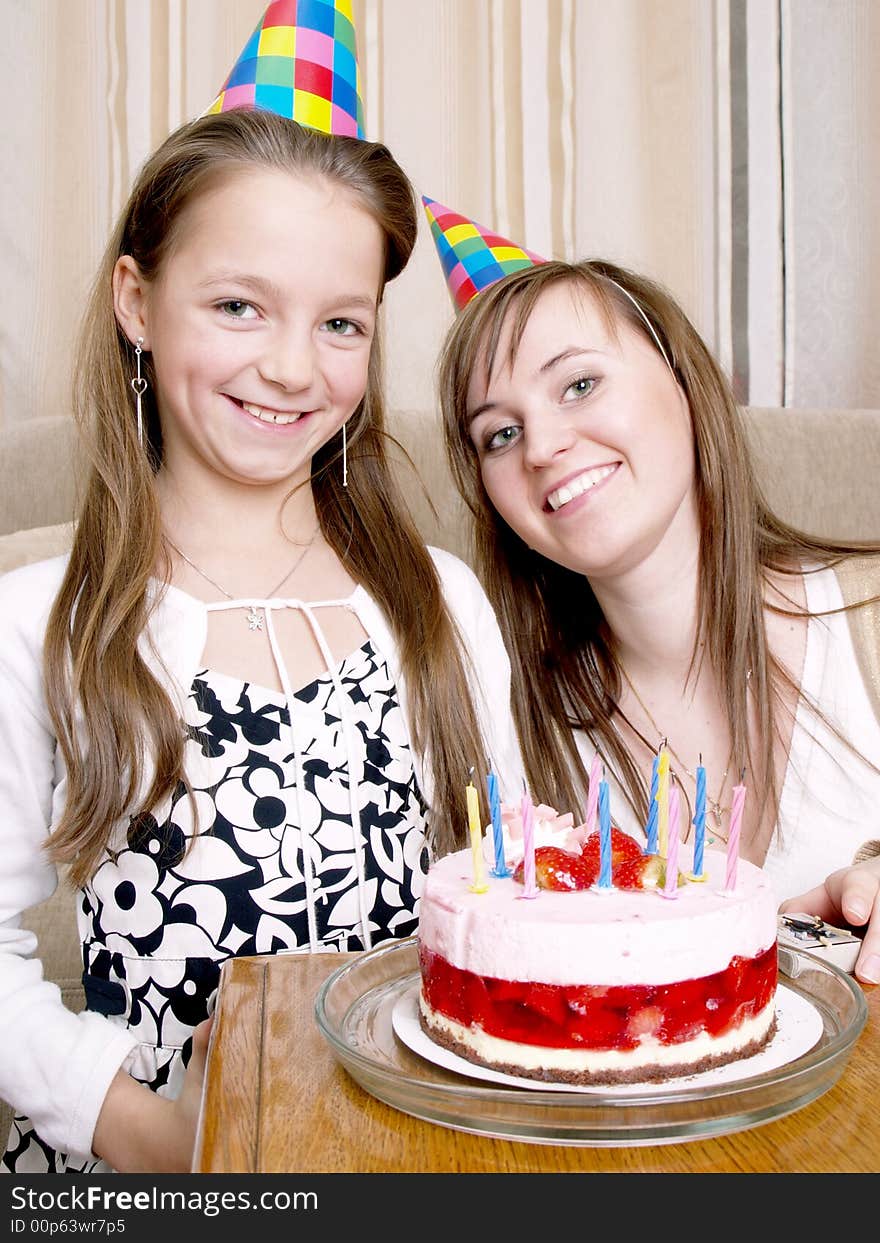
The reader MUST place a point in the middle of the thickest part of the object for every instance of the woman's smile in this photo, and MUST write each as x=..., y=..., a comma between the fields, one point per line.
x=578, y=485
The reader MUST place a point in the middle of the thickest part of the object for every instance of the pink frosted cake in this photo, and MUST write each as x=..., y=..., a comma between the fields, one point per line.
x=590, y=987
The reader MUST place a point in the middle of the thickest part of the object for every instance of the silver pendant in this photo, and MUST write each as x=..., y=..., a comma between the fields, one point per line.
x=254, y=618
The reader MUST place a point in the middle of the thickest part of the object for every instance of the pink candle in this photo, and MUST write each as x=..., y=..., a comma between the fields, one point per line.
x=530, y=889
x=593, y=793
x=670, y=888
x=736, y=814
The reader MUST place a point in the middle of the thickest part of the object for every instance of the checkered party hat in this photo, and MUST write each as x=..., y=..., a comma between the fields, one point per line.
x=473, y=257
x=301, y=62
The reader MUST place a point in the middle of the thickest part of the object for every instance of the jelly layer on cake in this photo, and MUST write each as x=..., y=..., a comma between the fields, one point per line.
x=598, y=987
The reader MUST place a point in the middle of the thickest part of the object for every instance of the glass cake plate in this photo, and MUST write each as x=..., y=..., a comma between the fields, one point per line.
x=355, y=1009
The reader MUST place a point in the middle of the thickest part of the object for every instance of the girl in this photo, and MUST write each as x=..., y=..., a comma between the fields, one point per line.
x=645, y=590
x=243, y=704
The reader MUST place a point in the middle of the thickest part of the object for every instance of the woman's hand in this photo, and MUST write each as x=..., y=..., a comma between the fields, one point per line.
x=139, y=1132
x=849, y=896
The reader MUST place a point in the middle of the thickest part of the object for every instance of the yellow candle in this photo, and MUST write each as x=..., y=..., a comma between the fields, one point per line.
x=663, y=803
x=476, y=830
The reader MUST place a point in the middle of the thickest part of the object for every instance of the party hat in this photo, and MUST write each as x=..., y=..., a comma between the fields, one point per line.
x=472, y=256
x=301, y=62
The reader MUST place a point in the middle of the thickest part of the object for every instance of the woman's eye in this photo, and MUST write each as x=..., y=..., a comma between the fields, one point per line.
x=500, y=439
x=342, y=327
x=581, y=387
x=235, y=308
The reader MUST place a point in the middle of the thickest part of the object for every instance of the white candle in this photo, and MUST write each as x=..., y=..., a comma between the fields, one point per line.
x=670, y=889
x=530, y=888
x=736, y=814
x=593, y=793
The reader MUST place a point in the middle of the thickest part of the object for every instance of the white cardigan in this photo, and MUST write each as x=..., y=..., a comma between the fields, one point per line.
x=55, y=1066
x=830, y=796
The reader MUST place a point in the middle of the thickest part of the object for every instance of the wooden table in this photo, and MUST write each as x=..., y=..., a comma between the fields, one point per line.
x=277, y=1101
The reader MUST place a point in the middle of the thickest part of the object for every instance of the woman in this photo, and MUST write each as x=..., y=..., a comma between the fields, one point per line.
x=647, y=593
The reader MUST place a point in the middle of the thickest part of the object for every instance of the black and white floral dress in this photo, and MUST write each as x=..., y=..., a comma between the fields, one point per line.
x=309, y=833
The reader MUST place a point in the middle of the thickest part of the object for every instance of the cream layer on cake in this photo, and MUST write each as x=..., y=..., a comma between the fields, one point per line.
x=613, y=938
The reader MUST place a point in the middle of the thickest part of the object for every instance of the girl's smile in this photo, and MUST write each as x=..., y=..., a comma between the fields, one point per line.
x=279, y=418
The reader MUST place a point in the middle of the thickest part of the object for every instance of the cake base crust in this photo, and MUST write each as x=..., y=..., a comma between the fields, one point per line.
x=651, y=1073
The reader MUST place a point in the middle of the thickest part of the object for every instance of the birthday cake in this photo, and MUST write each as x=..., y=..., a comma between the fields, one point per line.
x=642, y=981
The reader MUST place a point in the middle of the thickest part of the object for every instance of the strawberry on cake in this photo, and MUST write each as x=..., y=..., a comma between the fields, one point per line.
x=586, y=986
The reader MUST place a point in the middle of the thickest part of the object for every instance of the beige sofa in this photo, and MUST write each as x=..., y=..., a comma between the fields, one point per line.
x=820, y=470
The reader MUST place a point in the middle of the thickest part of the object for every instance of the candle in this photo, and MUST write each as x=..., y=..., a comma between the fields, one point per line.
x=500, y=869
x=530, y=889
x=663, y=801
x=651, y=827
x=593, y=793
x=670, y=888
x=476, y=831
x=605, y=881
x=736, y=813
x=699, y=823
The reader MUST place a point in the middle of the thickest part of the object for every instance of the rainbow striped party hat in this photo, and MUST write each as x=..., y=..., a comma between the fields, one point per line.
x=301, y=62
x=472, y=256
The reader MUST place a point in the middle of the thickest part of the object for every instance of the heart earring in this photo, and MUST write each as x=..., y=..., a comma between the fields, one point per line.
x=139, y=384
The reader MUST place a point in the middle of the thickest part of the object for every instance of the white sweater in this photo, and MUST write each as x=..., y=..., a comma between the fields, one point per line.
x=55, y=1066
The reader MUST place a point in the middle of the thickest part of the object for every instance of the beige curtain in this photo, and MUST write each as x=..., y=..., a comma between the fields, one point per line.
x=726, y=147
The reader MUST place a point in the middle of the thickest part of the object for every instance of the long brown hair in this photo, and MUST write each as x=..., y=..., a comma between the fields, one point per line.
x=565, y=672
x=108, y=709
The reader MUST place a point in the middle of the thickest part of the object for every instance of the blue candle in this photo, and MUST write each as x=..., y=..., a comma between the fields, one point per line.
x=604, y=838
x=700, y=821
x=500, y=869
x=652, y=846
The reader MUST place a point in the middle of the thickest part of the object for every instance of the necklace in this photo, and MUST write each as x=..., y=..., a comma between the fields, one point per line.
x=714, y=804
x=253, y=616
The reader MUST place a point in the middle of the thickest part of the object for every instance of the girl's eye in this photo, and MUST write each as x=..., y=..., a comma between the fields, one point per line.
x=581, y=387
x=235, y=308
x=342, y=327
x=500, y=439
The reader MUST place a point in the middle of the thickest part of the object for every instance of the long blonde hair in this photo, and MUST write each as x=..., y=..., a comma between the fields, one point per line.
x=108, y=709
x=565, y=672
